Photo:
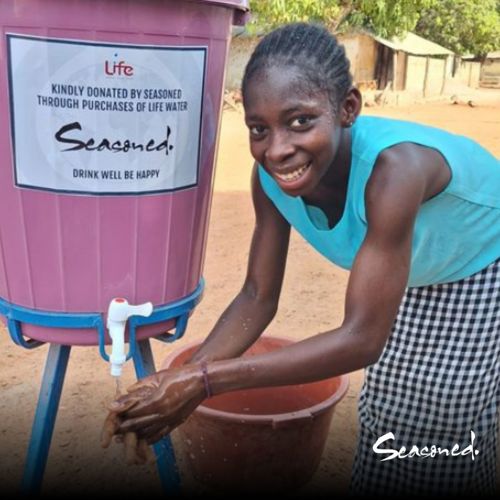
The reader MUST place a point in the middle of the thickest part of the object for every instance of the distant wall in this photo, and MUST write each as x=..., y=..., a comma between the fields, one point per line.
x=361, y=50
x=490, y=73
x=239, y=54
x=468, y=73
x=415, y=73
x=435, y=76
x=491, y=67
x=400, y=72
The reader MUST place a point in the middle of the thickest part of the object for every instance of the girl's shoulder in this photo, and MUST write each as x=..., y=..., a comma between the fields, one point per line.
x=372, y=134
x=375, y=131
x=475, y=172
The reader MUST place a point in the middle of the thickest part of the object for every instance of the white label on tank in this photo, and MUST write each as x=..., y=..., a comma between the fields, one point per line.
x=99, y=118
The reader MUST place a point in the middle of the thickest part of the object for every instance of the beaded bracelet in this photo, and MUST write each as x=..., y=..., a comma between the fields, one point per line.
x=204, y=372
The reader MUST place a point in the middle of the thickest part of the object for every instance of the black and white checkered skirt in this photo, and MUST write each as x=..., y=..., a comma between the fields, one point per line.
x=437, y=380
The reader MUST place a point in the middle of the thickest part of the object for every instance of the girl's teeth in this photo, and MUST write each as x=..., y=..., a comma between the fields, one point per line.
x=292, y=176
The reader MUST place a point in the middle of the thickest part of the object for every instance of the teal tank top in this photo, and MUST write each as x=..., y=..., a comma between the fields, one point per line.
x=457, y=232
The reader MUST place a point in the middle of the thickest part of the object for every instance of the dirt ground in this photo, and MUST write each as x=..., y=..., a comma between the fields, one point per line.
x=312, y=301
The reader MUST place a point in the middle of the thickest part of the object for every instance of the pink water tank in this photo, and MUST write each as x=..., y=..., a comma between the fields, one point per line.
x=109, y=119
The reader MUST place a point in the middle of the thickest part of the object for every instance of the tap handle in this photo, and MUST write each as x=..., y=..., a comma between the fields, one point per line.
x=141, y=310
x=120, y=310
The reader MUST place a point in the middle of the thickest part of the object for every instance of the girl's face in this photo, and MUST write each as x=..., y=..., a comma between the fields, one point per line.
x=294, y=131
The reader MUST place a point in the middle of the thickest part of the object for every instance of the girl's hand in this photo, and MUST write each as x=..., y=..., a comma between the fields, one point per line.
x=156, y=405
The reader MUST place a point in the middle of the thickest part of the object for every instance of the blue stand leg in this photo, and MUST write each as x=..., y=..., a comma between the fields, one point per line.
x=167, y=467
x=45, y=417
x=55, y=371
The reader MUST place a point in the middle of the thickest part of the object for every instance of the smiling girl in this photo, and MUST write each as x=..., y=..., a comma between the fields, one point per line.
x=414, y=213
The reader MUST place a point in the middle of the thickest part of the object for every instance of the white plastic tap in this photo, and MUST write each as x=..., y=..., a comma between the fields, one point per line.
x=119, y=311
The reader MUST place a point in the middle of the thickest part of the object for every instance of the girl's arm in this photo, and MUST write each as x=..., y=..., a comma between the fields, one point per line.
x=254, y=307
x=404, y=177
x=397, y=188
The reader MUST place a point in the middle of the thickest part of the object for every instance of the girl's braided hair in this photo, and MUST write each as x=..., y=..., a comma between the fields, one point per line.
x=313, y=50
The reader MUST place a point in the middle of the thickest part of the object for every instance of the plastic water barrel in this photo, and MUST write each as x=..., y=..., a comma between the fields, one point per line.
x=109, y=119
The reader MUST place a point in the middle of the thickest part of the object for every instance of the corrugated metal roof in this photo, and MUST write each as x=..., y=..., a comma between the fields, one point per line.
x=415, y=45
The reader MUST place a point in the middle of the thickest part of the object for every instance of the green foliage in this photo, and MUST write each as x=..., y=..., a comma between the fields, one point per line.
x=386, y=18
x=268, y=14
x=463, y=26
x=383, y=17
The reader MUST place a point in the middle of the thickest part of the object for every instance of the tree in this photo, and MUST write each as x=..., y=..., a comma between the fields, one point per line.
x=386, y=18
x=268, y=14
x=463, y=26
x=383, y=17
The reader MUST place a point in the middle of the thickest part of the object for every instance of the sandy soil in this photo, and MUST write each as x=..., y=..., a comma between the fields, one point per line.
x=312, y=301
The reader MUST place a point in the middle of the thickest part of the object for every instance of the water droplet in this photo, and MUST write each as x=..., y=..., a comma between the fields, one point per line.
x=119, y=388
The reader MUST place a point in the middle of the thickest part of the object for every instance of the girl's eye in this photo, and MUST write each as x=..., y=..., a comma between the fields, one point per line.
x=256, y=130
x=300, y=122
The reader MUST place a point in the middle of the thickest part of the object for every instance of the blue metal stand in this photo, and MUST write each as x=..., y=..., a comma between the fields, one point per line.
x=45, y=418
x=166, y=463
x=55, y=371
